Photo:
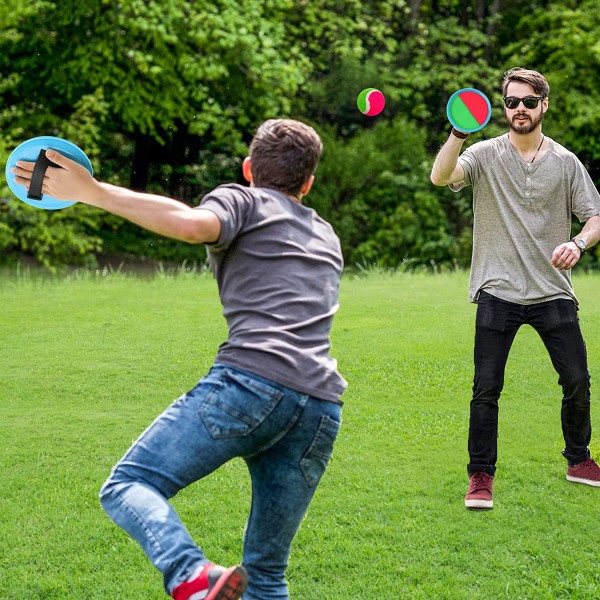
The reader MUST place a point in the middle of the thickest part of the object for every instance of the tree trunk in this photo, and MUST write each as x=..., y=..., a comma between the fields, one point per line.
x=178, y=160
x=480, y=11
x=141, y=162
x=492, y=28
x=465, y=12
x=415, y=14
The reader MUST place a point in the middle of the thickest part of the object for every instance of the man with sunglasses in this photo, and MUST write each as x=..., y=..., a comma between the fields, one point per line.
x=526, y=187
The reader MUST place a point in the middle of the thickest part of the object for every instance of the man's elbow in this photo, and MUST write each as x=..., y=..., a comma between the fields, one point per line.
x=438, y=181
x=191, y=234
x=199, y=231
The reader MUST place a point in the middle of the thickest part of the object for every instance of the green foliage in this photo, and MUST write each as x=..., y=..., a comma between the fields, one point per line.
x=375, y=187
x=192, y=74
x=422, y=82
x=568, y=53
x=164, y=97
x=213, y=66
x=67, y=237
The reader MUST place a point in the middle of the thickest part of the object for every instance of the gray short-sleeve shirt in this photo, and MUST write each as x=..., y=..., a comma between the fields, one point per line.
x=278, y=265
x=522, y=212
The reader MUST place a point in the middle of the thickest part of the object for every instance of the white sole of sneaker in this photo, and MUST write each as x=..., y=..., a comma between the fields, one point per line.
x=591, y=482
x=479, y=504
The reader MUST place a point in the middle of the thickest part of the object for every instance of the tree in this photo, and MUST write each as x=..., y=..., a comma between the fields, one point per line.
x=375, y=188
x=169, y=94
x=565, y=48
x=152, y=87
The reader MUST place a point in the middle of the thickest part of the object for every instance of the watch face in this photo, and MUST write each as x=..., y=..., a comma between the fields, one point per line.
x=580, y=244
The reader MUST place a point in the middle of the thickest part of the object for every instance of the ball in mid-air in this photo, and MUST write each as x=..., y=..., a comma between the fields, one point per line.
x=370, y=102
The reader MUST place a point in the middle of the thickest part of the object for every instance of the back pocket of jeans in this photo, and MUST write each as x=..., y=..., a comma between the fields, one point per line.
x=237, y=405
x=315, y=460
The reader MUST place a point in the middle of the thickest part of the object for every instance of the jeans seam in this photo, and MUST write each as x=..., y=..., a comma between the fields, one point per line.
x=260, y=391
x=313, y=451
x=285, y=430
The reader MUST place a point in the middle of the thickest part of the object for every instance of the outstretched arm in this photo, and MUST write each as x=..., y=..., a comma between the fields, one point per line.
x=159, y=214
x=567, y=255
x=446, y=169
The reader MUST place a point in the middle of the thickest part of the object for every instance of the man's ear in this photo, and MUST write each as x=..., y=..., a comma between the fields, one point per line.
x=247, y=170
x=306, y=187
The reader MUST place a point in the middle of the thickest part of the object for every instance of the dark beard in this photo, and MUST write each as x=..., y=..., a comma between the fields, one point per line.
x=527, y=127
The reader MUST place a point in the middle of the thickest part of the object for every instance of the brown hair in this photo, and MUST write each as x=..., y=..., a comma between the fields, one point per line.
x=536, y=80
x=284, y=154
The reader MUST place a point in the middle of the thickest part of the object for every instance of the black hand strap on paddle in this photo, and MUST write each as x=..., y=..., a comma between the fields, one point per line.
x=37, y=178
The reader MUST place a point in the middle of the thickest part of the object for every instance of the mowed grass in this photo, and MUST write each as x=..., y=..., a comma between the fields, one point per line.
x=87, y=362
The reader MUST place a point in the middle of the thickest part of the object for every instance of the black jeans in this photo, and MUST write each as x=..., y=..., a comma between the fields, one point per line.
x=557, y=323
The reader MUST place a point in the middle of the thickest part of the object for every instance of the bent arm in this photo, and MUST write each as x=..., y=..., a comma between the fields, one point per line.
x=446, y=169
x=159, y=214
x=567, y=255
x=590, y=232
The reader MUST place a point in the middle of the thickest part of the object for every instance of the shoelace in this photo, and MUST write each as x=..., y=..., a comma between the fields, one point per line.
x=480, y=480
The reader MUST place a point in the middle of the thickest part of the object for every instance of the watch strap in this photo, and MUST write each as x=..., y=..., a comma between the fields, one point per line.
x=580, y=243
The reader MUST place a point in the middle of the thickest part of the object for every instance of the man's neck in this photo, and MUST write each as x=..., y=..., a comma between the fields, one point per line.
x=297, y=198
x=526, y=142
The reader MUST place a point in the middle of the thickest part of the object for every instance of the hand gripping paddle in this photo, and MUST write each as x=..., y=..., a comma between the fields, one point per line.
x=469, y=110
x=34, y=150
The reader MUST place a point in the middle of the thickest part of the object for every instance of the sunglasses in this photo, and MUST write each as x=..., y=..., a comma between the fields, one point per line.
x=528, y=102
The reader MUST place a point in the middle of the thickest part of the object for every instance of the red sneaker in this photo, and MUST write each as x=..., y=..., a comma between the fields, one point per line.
x=479, y=494
x=211, y=582
x=587, y=472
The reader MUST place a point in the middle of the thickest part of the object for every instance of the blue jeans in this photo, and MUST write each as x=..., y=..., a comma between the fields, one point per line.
x=557, y=323
x=286, y=439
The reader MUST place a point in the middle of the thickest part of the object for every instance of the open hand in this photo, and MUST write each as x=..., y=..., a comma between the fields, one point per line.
x=71, y=182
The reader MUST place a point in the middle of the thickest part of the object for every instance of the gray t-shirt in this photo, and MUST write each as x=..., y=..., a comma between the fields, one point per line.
x=278, y=267
x=522, y=212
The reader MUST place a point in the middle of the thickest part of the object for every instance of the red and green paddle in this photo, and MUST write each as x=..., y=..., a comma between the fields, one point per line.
x=469, y=110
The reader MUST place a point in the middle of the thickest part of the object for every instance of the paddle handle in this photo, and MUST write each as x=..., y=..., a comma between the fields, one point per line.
x=37, y=178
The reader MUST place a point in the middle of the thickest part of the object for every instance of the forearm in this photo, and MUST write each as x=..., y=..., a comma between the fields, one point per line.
x=590, y=232
x=445, y=167
x=159, y=214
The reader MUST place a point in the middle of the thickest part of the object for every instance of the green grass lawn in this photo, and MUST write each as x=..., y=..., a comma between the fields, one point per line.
x=88, y=362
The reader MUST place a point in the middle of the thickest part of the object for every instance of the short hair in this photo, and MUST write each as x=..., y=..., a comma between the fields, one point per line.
x=284, y=153
x=536, y=80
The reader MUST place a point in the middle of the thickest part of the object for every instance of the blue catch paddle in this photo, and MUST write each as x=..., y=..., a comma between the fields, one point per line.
x=34, y=150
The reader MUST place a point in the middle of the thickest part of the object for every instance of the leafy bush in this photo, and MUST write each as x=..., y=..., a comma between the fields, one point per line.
x=52, y=238
x=375, y=188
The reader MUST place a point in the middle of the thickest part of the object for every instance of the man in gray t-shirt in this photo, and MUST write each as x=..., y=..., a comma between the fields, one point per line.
x=526, y=187
x=278, y=267
x=273, y=395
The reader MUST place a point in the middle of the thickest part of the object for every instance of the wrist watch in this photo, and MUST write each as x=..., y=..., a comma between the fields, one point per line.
x=580, y=243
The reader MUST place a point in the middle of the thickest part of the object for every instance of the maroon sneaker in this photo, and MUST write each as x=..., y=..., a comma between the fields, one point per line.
x=587, y=472
x=211, y=582
x=479, y=494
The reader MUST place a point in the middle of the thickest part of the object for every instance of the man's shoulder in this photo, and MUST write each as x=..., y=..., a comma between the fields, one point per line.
x=236, y=191
x=496, y=145
x=479, y=157
x=231, y=190
x=561, y=151
x=232, y=197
